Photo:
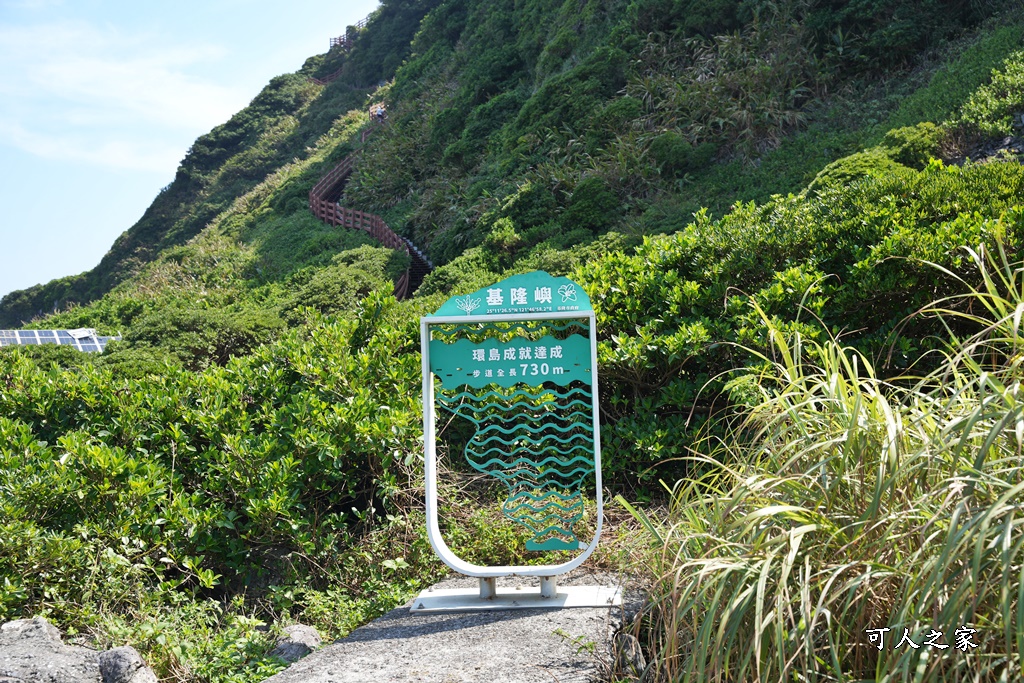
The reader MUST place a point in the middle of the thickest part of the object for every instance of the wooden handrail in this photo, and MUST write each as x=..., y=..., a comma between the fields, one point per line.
x=323, y=202
x=343, y=40
x=329, y=78
x=334, y=181
x=345, y=43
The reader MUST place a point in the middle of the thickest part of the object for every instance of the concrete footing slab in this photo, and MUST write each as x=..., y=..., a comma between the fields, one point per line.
x=522, y=645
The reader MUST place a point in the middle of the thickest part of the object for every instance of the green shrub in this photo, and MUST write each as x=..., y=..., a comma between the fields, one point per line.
x=846, y=259
x=126, y=361
x=332, y=290
x=913, y=146
x=990, y=111
x=874, y=163
x=592, y=206
x=611, y=120
x=502, y=244
x=675, y=156
x=530, y=205
x=200, y=337
x=52, y=354
x=115, y=488
x=902, y=148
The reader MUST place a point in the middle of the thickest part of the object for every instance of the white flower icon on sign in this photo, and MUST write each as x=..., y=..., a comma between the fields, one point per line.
x=469, y=304
x=568, y=293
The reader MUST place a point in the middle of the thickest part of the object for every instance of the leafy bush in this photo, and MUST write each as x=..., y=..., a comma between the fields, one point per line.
x=52, y=354
x=200, y=337
x=842, y=260
x=266, y=469
x=913, y=146
x=334, y=289
x=135, y=362
x=990, y=111
x=502, y=244
x=901, y=148
x=676, y=156
x=592, y=206
x=874, y=163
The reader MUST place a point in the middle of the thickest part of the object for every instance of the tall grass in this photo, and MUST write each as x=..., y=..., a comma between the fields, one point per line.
x=845, y=503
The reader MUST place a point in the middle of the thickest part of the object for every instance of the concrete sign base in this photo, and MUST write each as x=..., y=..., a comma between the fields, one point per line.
x=468, y=600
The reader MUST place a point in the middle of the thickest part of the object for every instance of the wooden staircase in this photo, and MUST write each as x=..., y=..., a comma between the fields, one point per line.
x=323, y=202
x=323, y=198
x=343, y=42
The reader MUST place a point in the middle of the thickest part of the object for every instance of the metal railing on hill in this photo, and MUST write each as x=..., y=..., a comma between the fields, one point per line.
x=323, y=202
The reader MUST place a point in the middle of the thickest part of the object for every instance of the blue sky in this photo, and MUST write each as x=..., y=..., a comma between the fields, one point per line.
x=100, y=99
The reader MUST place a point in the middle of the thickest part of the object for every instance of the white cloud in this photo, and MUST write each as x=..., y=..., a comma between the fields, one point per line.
x=77, y=91
x=139, y=155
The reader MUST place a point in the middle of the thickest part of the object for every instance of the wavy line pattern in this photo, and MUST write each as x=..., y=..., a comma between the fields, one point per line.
x=541, y=428
x=537, y=440
x=533, y=463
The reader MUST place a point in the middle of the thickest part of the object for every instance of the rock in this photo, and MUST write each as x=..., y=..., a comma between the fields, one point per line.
x=125, y=665
x=35, y=628
x=629, y=656
x=299, y=640
x=31, y=650
x=1005, y=149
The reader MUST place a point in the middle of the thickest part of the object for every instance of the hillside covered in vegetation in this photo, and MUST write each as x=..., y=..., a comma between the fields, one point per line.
x=800, y=223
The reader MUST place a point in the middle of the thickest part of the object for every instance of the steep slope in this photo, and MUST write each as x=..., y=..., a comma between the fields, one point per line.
x=573, y=119
x=554, y=120
x=279, y=126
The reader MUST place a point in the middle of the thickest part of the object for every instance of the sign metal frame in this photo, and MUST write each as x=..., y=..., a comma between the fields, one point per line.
x=487, y=573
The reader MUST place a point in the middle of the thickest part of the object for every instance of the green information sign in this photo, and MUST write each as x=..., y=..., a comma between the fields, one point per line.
x=520, y=361
x=530, y=293
x=516, y=361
